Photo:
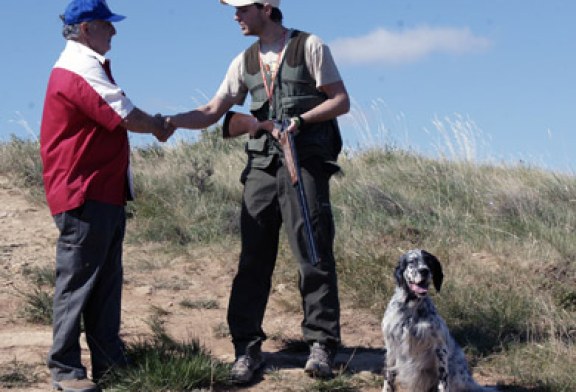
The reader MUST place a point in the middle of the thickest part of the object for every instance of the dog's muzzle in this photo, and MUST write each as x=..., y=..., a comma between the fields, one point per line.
x=420, y=289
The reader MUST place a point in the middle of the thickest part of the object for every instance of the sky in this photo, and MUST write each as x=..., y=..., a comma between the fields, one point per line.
x=488, y=81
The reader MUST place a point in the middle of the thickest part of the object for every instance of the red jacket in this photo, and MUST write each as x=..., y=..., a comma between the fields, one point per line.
x=84, y=148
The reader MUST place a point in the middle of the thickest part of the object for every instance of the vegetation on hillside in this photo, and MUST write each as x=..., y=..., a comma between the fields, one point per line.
x=505, y=235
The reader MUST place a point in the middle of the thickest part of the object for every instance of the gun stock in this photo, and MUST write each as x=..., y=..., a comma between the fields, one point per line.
x=286, y=144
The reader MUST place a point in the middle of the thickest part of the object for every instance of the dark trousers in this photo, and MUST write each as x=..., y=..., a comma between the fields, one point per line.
x=89, y=287
x=269, y=200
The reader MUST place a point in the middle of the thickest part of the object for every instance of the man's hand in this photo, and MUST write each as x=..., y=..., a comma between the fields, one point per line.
x=277, y=131
x=282, y=133
x=164, y=128
x=293, y=127
x=257, y=126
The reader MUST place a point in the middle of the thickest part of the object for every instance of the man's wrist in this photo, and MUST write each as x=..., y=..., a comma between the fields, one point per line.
x=299, y=121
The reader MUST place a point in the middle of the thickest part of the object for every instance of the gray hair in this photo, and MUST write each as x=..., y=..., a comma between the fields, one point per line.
x=70, y=31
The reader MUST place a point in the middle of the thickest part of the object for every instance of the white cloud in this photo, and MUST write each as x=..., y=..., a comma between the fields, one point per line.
x=386, y=47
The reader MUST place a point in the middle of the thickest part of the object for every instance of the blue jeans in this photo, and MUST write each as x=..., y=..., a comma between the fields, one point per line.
x=88, y=286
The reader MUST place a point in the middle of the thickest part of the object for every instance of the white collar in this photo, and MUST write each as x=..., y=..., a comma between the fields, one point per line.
x=83, y=49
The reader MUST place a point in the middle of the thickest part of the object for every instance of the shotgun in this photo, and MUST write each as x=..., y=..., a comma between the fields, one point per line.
x=236, y=124
x=293, y=166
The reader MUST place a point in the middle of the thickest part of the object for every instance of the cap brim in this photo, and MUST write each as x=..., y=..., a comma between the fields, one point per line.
x=115, y=18
x=237, y=3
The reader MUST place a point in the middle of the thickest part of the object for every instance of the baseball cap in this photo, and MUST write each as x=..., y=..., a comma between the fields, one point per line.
x=241, y=3
x=88, y=10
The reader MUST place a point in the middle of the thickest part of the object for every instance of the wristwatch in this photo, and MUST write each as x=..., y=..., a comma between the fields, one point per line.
x=299, y=121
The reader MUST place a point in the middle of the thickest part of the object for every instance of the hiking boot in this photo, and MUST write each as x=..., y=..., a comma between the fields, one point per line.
x=320, y=360
x=244, y=368
x=76, y=385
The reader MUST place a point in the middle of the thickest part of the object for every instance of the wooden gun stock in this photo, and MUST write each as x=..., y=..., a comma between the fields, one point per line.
x=286, y=144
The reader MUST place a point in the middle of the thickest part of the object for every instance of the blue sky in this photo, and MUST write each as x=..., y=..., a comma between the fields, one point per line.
x=490, y=80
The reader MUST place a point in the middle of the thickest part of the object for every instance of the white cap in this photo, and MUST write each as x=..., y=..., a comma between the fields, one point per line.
x=241, y=3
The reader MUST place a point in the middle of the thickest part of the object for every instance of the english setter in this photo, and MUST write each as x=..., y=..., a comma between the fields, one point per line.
x=421, y=355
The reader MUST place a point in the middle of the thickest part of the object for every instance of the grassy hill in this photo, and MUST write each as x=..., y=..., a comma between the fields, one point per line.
x=506, y=236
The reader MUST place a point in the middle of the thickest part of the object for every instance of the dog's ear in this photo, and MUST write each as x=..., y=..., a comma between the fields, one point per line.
x=398, y=272
x=436, y=267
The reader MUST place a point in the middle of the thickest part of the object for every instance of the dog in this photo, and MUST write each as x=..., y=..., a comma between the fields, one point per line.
x=421, y=355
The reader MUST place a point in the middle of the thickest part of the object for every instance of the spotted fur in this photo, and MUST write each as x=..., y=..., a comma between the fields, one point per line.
x=421, y=355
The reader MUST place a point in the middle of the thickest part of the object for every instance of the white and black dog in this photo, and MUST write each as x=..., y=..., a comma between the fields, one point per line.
x=421, y=355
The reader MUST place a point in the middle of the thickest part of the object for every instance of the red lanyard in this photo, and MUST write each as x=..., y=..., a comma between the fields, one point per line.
x=270, y=89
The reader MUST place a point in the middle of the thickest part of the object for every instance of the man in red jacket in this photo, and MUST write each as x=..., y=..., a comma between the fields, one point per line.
x=85, y=153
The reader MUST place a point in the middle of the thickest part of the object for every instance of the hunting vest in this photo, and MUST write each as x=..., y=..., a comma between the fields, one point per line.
x=294, y=93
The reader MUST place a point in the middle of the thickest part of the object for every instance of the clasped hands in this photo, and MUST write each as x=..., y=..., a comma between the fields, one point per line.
x=164, y=128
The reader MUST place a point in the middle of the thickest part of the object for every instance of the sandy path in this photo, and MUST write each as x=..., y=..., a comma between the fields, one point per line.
x=156, y=280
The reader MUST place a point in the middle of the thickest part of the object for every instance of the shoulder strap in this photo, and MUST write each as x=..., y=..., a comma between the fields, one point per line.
x=251, y=61
x=294, y=55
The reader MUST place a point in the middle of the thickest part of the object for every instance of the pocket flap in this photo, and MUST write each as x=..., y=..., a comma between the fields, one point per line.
x=257, y=145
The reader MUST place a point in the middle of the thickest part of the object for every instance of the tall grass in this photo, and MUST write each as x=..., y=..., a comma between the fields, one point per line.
x=39, y=296
x=504, y=233
x=186, y=194
x=20, y=161
x=162, y=364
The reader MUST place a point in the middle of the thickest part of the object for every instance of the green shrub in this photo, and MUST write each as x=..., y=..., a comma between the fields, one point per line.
x=20, y=162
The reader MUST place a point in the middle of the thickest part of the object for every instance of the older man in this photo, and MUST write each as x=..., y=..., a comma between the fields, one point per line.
x=85, y=153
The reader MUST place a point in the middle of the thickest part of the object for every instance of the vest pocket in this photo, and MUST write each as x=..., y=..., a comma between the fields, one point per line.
x=257, y=145
x=258, y=154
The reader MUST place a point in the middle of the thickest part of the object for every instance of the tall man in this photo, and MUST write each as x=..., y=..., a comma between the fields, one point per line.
x=85, y=153
x=290, y=75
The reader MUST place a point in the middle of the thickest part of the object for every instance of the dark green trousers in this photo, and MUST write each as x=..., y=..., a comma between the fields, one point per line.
x=270, y=200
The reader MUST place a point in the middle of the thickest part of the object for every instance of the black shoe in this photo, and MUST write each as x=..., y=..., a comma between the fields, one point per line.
x=244, y=368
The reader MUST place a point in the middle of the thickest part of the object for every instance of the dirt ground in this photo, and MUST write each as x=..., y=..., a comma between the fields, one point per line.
x=155, y=280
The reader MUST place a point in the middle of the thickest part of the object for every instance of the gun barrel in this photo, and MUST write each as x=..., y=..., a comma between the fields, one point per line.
x=303, y=202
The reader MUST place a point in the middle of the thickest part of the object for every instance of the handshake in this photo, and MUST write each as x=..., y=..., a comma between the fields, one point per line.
x=163, y=128
x=235, y=124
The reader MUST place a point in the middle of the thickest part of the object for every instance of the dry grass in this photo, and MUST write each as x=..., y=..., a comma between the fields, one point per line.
x=505, y=235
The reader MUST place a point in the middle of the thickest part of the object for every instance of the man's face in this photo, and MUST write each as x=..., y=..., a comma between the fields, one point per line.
x=99, y=34
x=250, y=18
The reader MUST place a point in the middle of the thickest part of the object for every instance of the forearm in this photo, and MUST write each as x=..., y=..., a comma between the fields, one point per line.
x=328, y=110
x=141, y=122
x=237, y=124
x=195, y=119
x=338, y=103
x=203, y=116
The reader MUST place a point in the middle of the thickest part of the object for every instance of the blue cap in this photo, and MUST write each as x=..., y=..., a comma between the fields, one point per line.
x=88, y=10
